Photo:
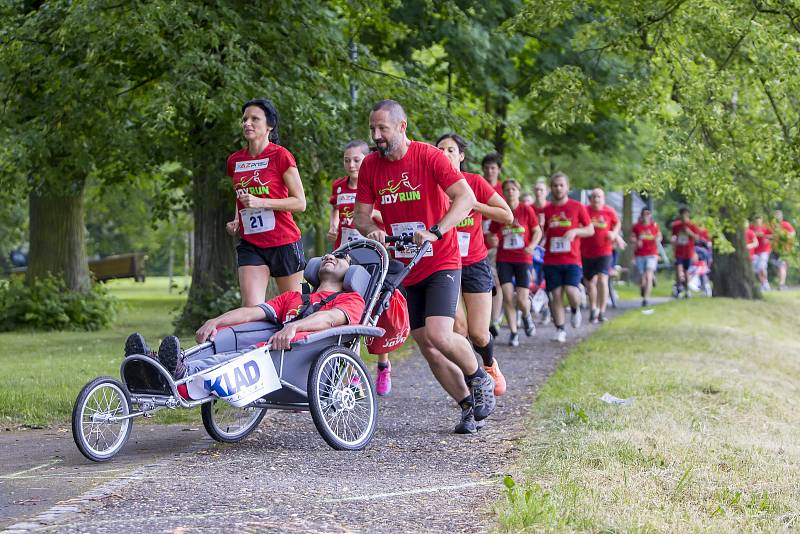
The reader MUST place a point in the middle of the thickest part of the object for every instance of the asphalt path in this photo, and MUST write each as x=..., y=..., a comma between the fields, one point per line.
x=416, y=476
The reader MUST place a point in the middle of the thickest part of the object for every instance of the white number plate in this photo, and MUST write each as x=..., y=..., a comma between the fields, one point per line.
x=404, y=229
x=257, y=220
x=559, y=244
x=350, y=234
x=463, y=243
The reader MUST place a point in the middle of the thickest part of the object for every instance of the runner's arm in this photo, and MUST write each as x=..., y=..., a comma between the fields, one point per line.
x=294, y=202
x=232, y=227
x=333, y=224
x=495, y=209
x=362, y=216
x=583, y=231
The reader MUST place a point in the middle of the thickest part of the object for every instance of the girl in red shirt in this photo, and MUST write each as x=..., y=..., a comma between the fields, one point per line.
x=268, y=190
x=476, y=274
x=516, y=242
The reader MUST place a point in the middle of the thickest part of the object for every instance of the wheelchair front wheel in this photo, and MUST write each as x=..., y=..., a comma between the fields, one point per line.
x=342, y=399
x=98, y=436
x=229, y=424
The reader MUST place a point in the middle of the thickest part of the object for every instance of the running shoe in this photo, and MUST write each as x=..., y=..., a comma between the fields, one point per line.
x=601, y=317
x=482, y=388
x=499, y=380
x=575, y=320
x=644, y=303
x=356, y=387
x=593, y=316
x=467, y=425
x=494, y=329
x=528, y=324
x=383, y=382
x=135, y=344
x=561, y=335
x=513, y=339
x=169, y=353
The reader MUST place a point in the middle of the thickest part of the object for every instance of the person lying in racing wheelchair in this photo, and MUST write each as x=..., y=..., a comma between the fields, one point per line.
x=327, y=307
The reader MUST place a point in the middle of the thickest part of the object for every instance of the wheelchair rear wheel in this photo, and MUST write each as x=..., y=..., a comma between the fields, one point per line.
x=98, y=436
x=342, y=399
x=229, y=424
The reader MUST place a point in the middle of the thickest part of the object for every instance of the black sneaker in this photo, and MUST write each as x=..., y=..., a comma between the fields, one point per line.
x=135, y=344
x=593, y=316
x=513, y=339
x=467, y=424
x=169, y=353
x=601, y=317
x=493, y=329
x=528, y=324
x=644, y=303
x=482, y=389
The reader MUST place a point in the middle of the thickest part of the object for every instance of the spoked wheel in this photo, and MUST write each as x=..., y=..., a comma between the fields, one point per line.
x=98, y=436
x=229, y=424
x=612, y=294
x=342, y=399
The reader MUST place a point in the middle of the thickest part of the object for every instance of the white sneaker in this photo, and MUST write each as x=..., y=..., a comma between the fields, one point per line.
x=561, y=336
x=575, y=320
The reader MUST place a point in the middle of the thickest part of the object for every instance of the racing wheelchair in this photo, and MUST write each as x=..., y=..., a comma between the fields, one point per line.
x=321, y=373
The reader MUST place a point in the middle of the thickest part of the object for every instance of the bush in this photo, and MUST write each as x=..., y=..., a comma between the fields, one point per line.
x=47, y=304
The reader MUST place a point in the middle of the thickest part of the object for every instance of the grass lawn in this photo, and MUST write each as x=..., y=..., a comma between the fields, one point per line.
x=710, y=443
x=41, y=373
x=630, y=290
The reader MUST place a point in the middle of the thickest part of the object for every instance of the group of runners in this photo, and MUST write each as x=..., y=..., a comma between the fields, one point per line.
x=490, y=246
x=766, y=243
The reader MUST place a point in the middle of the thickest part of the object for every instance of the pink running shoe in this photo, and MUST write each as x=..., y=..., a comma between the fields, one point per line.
x=383, y=384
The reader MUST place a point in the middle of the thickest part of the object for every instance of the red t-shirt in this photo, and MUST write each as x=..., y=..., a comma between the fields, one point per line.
x=343, y=199
x=410, y=194
x=749, y=239
x=288, y=305
x=684, y=243
x=262, y=176
x=785, y=242
x=470, y=231
x=557, y=221
x=604, y=221
x=646, y=236
x=763, y=233
x=513, y=238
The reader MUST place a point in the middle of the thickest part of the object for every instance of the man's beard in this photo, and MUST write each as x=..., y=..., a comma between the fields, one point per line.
x=386, y=149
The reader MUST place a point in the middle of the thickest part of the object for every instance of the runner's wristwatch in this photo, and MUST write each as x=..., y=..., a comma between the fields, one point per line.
x=435, y=231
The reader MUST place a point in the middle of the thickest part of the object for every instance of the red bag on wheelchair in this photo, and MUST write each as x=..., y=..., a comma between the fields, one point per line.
x=394, y=320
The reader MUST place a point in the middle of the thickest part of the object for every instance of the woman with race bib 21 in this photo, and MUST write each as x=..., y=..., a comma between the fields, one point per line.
x=268, y=190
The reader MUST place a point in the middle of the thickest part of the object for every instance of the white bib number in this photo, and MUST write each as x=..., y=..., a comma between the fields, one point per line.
x=512, y=241
x=405, y=229
x=257, y=220
x=350, y=234
x=559, y=244
x=683, y=239
x=463, y=243
x=345, y=198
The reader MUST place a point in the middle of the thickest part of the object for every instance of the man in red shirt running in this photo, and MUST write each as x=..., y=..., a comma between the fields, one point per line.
x=565, y=222
x=783, y=234
x=684, y=234
x=762, y=251
x=596, y=251
x=420, y=193
x=646, y=237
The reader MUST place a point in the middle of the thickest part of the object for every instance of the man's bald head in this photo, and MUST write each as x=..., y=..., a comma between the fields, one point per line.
x=394, y=108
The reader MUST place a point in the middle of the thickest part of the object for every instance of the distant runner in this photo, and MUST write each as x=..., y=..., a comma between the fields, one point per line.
x=492, y=165
x=762, y=251
x=684, y=234
x=597, y=251
x=646, y=237
x=566, y=221
x=783, y=243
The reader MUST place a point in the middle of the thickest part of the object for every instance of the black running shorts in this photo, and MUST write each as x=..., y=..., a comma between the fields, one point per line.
x=517, y=273
x=281, y=261
x=595, y=266
x=436, y=296
x=477, y=277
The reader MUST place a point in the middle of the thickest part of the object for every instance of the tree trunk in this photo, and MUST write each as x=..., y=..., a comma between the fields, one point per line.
x=626, y=255
x=214, y=265
x=58, y=239
x=501, y=112
x=732, y=273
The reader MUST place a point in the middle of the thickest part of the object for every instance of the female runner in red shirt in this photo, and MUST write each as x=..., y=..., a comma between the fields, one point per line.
x=268, y=190
x=476, y=274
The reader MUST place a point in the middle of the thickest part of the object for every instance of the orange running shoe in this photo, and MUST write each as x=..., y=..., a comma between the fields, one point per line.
x=499, y=379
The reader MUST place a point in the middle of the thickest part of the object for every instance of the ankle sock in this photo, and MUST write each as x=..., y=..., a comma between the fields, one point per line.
x=382, y=365
x=486, y=353
x=480, y=373
x=573, y=309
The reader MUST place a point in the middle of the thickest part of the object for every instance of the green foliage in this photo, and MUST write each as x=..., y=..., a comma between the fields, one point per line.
x=46, y=304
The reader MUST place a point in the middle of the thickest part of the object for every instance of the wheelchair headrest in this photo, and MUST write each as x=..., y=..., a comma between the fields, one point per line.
x=355, y=279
